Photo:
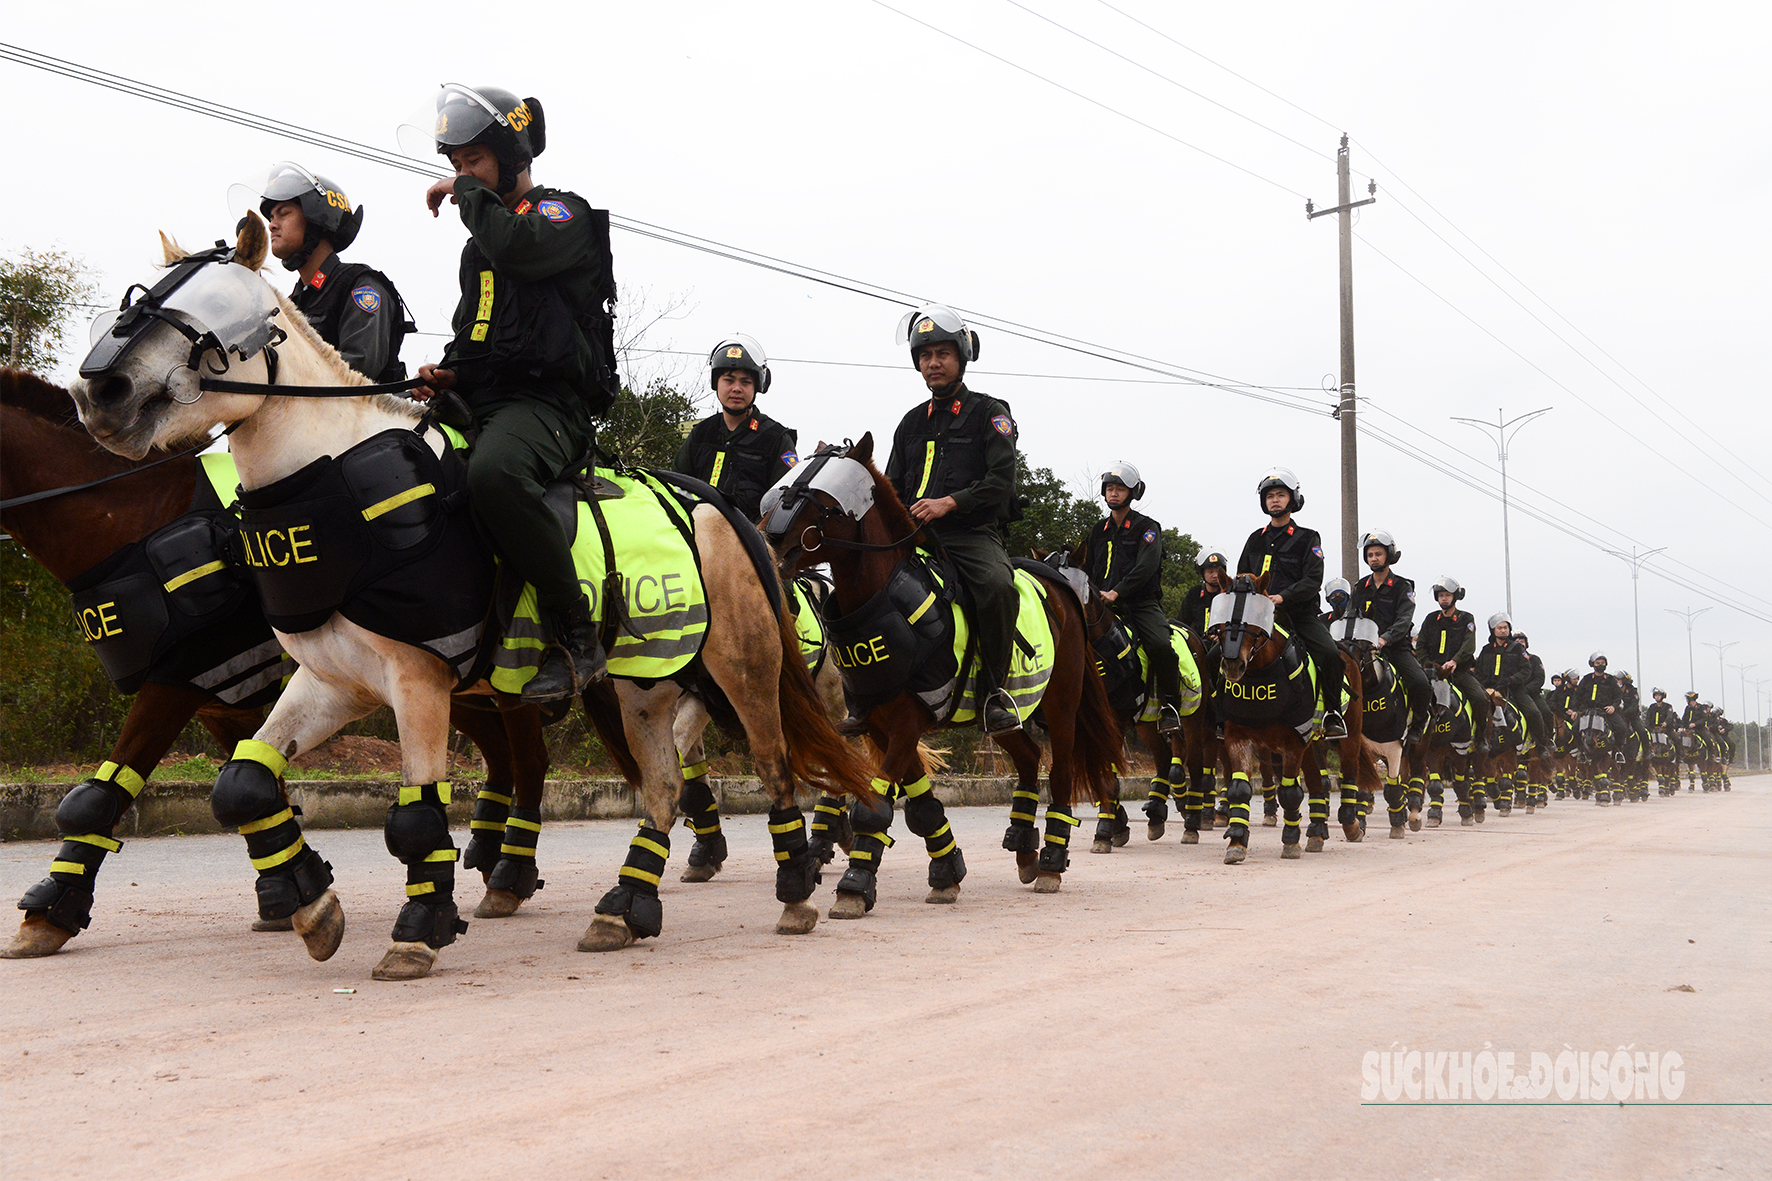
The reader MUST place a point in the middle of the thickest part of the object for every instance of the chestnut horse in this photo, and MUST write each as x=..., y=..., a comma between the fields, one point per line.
x=866, y=545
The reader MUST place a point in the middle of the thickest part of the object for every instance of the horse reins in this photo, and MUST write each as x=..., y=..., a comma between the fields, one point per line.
x=69, y=490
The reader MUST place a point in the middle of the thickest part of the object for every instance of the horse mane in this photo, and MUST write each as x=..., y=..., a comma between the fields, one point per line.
x=32, y=394
x=297, y=325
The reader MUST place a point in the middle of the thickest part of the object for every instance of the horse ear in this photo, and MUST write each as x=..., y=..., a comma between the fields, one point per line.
x=863, y=449
x=1079, y=556
x=253, y=242
x=1261, y=584
x=170, y=251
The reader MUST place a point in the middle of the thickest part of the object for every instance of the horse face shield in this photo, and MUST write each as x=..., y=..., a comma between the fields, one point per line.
x=844, y=480
x=1236, y=616
x=220, y=308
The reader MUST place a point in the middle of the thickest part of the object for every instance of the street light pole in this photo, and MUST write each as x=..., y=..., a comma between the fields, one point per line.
x=1504, y=431
x=1741, y=672
x=1688, y=615
x=1721, y=646
x=1636, y=561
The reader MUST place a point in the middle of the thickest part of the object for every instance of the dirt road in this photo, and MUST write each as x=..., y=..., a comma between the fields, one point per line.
x=1164, y=1015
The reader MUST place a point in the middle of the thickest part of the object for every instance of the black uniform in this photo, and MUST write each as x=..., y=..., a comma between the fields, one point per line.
x=742, y=463
x=1196, y=607
x=961, y=443
x=1391, y=605
x=356, y=310
x=1661, y=716
x=1598, y=690
x=1452, y=635
x=1292, y=558
x=1504, y=666
x=1127, y=558
x=530, y=280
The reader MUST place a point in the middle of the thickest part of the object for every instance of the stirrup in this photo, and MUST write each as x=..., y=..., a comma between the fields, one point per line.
x=1168, y=719
x=1002, y=706
x=1334, y=725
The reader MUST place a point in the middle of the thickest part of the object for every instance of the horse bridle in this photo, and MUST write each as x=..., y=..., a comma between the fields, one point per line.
x=800, y=492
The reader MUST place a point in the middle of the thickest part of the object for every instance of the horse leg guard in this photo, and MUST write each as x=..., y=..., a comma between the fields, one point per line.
x=634, y=899
x=860, y=881
x=796, y=869
x=486, y=831
x=1318, y=832
x=1291, y=797
x=246, y=796
x=1021, y=835
x=417, y=833
x=924, y=816
x=1055, y=855
x=701, y=815
x=1104, y=829
x=1396, y=804
x=1156, y=807
x=1238, y=793
x=830, y=828
x=515, y=871
x=85, y=818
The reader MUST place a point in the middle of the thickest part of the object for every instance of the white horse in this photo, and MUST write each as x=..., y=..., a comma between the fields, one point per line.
x=152, y=398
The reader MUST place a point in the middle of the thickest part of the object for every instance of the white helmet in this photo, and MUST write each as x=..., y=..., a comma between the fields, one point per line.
x=1124, y=474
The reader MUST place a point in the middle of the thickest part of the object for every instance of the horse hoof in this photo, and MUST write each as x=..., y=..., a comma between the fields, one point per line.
x=943, y=896
x=1313, y=844
x=1121, y=837
x=701, y=873
x=405, y=961
x=1531, y=808
x=1290, y=853
x=1234, y=854
x=848, y=906
x=321, y=925
x=36, y=937
x=273, y=925
x=498, y=904
x=1465, y=822
x=1354, y=833
x=797, y=918
x=1433, y=822
x=1101, y=847
x=607, y=932
x=1415, y=824
x=1396, y=832
x=1482, y=816
x=1028, y=872
x=1154, y=830
x=1190, y=838
x=1048, y=883
x=1269, y=821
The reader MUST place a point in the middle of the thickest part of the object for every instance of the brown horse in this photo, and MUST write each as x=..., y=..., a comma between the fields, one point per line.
x=1250, y=649
x=44, y=447
x=866, y=535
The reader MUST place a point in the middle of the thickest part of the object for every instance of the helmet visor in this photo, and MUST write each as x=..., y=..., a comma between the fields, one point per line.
x=944, y=319
x=283, y=181
x=737, y=351
x=455, y=115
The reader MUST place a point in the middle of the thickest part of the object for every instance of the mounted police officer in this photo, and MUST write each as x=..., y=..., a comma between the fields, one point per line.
x=1338, y=593
x=1503, y=665
x=739, y=450
x=1388, y=599
x=1196, y=607
x=353, y=307
x=1535, y=685
x=953, y=464
x=1447, y=639
x=1600, y=690
x=1124, y=558
x=1661, y=715
x=532, y=355
x=1292, y=558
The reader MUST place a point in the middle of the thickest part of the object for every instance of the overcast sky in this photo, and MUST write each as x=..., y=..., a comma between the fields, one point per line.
x=1613, y=157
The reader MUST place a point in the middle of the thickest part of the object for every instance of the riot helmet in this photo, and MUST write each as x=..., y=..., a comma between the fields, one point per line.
x=1658, y=692
x=324, y=206
x=1448, y=584
x=1392, y=555
x=1212, y=557
x=1280, y=477
x=513, y=128
x=1338, y=587
x=1597, y=662
x=1570, y=676
x=1499, y=618
x=1126, y=476
x=1625, y=677
x=1520, y=638
x=1691, y=694
x=739, y=351
x=934, y=324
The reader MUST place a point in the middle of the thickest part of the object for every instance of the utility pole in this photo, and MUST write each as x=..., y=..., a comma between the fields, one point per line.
x=1636, y=561
x=1504, y=429
x=1722, y=686
x=1688, y=615
x=1350, y=460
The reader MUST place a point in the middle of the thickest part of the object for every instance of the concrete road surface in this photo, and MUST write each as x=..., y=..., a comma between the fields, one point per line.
x=1165, y=1015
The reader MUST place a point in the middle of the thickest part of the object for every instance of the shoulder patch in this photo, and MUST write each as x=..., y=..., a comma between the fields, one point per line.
x=790, y=457
x=1317, y=550
x=1471, y=626
x=1003, y=425
x=367, y=298
x=1150, y=535
x=1410, y=593
x=555, y=211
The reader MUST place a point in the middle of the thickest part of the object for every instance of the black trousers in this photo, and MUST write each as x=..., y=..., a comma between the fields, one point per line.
x=1415, y=686
x=1146, y=621
x=1313, y=636
x=523, y=446
x=982, y=565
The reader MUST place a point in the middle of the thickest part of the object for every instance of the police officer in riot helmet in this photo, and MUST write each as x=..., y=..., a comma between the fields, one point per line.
x=1388, y=599
x=1535, y=685
x=1124, y=559
x=1600, y=690
x=953, y=464
x=1447, y=640
x=1292, y=558
x=352, y=306
x=1504, y=666
x=1338, y=593
x=532, y=355
x=738, y=449
x=1196, y=608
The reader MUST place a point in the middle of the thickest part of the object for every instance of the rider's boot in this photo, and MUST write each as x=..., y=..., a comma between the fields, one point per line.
x=574, y=662
x=998, y=714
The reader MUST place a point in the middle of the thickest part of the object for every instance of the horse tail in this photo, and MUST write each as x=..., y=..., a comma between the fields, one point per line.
x=817, y=754
x=1100, y=743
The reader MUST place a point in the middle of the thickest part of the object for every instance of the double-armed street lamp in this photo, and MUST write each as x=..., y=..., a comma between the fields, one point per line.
x=1505, y=429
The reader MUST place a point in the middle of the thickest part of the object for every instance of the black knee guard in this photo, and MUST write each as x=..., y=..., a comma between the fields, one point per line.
x=796, y=869
x=98, y=803
x=515, y=871
x=486, y=830
x=1055, y=856
x=247, y=789
x=246, y=796
x=417, y=832
x=635, y=896
x=1238, y=793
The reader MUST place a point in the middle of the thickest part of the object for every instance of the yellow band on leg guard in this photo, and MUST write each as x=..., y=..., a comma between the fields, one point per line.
x=262, y=753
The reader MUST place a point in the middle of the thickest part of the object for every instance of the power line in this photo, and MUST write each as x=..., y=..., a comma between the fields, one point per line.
x=1095, y=102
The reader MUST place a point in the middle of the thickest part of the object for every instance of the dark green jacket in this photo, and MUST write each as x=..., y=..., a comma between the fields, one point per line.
x=530, y=278
x=963, y=446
